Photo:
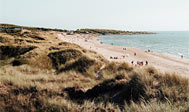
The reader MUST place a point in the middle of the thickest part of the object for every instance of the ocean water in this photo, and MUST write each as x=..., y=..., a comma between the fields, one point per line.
x=175, y=43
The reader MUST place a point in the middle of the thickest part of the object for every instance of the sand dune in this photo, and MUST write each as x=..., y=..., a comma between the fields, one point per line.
x=163, y=62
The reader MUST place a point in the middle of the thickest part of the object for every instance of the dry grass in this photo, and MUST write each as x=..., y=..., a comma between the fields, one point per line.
x=155, y=92
x=85, y=82
x=156, y=107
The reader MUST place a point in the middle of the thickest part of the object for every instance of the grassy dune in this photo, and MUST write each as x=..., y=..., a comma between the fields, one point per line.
x=39, y=73
x=109, y=32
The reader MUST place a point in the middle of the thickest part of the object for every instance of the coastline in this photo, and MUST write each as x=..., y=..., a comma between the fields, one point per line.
x=162, y=61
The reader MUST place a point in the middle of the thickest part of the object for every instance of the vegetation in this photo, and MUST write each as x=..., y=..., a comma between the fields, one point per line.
x=32, y=28
x=25, y=88
x=108, y=32
x=42, y=74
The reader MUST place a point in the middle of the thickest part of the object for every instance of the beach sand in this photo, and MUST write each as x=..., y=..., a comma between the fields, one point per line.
x=162, y=61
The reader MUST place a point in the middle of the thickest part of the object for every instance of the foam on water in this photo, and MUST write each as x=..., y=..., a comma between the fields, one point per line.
x=175, y=43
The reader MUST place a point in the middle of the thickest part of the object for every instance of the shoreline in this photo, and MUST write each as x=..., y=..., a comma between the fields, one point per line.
x=161, y=61
x=172, y=53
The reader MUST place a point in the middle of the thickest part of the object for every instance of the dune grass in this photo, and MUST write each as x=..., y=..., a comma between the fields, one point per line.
x=150, y=92
x=59, y=77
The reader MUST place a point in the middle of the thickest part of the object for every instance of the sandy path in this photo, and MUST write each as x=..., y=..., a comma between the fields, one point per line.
x=163, y=62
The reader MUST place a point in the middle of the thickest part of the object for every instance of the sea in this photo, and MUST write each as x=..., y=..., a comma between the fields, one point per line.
x=175, y=43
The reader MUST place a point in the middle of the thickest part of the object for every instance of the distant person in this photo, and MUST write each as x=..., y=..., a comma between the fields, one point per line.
x=142, y=63
x=135, y=54
x=182, y=56
x=132, y=62
x=146, y=62
x=138, y=63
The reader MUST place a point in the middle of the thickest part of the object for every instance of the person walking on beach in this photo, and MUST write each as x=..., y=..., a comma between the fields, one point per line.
x=135, y=54
x=141, y=63
x=146, y=62
x=132, y=62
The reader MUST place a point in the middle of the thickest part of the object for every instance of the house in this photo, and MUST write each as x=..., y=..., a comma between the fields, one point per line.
x=10, y=29
x=70, y=32
x=18, y=28
x=2, y=29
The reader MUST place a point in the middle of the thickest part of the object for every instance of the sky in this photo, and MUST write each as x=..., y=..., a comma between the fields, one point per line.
x=130, y=15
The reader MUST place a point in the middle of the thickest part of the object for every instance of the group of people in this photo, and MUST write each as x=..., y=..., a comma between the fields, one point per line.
x=148, y=51
x=140, y=63
x=124, y=48
x=123, y=57
x=113, y=57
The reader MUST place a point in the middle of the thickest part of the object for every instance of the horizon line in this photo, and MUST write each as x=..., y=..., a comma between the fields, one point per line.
x=92, y=28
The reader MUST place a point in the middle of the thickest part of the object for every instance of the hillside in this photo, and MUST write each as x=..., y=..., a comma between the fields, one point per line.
x=33, y=28
x=39, y=72
x=108, y=32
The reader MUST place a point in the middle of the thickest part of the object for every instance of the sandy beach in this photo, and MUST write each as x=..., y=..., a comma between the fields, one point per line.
x=162, y=61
